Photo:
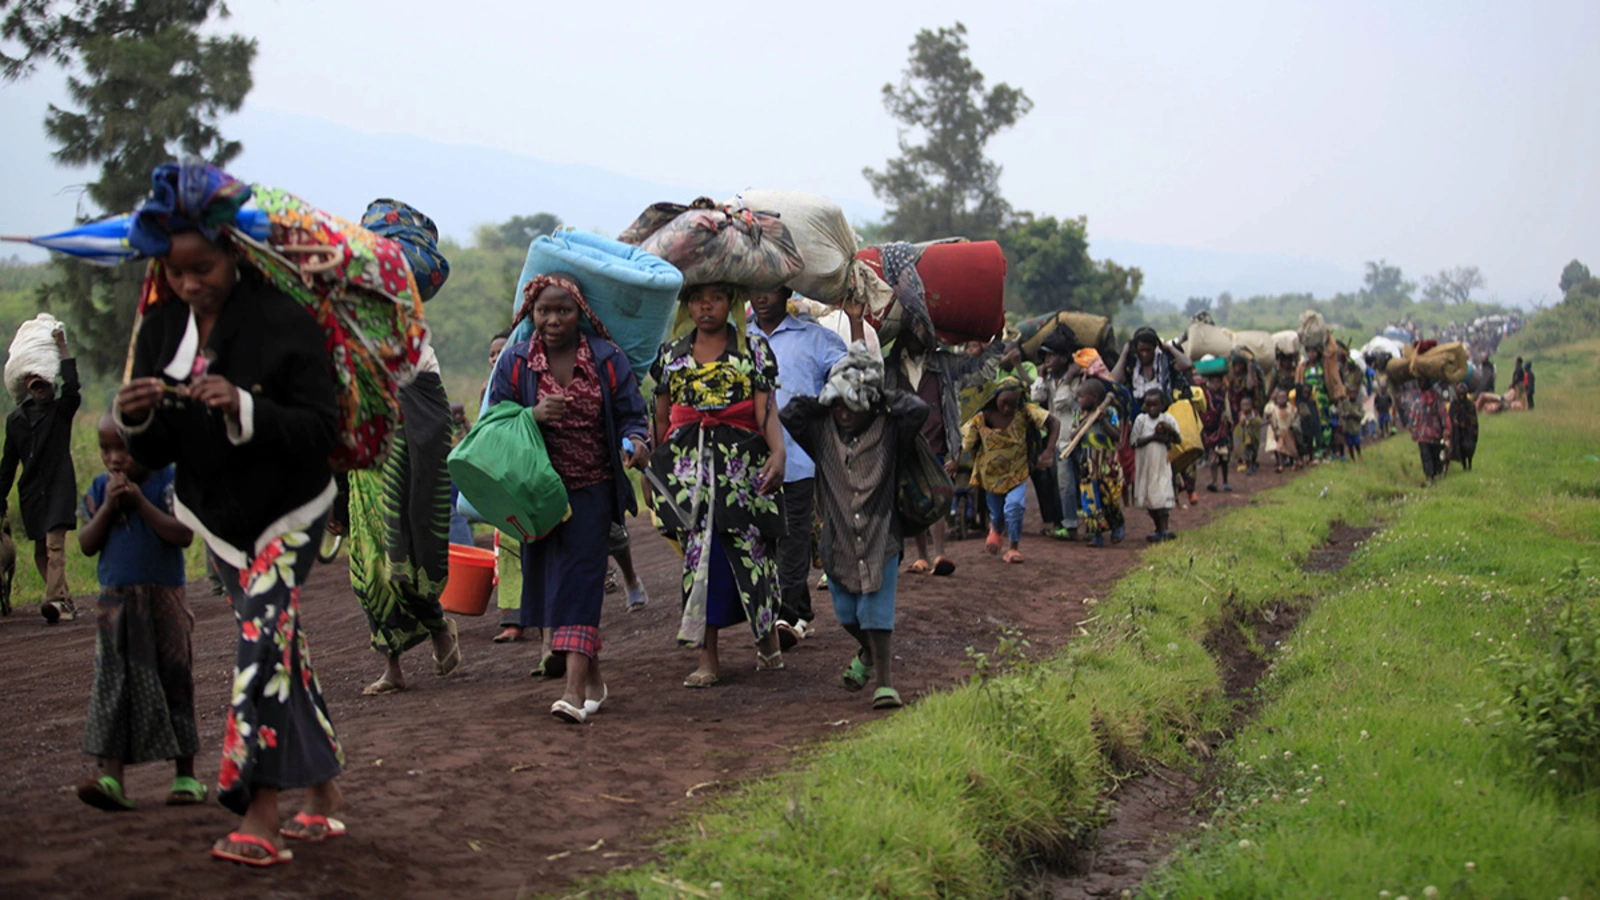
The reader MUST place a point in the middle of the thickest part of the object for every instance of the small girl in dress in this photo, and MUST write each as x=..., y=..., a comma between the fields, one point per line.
x=1249, y=429
x=1153, y=432
x=1283, y=424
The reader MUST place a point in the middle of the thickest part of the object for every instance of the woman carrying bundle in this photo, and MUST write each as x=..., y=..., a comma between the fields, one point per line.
x=400, y=515
x=233, y=386
x=720, y=458
x=1147, y=363
x=586, y=399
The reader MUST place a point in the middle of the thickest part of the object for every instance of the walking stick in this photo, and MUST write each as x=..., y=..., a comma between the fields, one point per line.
x=1084, y=428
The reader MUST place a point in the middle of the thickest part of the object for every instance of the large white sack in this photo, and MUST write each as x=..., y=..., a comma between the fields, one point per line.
x=33, y=352
x=834, y=319
x=1384, y=345
x=1286, y=343
x=1259, y=343
x=827, y=242
x=1208, y=340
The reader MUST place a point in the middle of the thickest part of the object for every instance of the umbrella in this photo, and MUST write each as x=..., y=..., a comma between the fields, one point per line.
x=105, y=243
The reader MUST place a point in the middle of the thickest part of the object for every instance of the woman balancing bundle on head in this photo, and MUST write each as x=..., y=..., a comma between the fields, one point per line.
x=233, y=387
x=720, y=460
x=858, y=434
x=586, y=399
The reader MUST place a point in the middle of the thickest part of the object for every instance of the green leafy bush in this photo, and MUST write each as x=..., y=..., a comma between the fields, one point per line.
x=1552, y=707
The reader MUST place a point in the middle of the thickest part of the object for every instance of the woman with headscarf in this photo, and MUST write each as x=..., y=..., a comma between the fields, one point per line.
x=718, y=463
x=399, y=516
x=858, y=434
x=586, y=399
x=233, y=386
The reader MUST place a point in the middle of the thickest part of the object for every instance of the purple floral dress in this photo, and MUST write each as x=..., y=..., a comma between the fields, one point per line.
x=710, y=463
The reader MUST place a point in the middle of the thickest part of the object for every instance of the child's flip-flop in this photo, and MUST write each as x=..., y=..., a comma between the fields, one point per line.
x=186, y=791
x=944, y=566
x=274, y=855
x=104, y=793
x=855, y=675
x=312, y=828
x=886, y=698
x=1012, y=556
x=452, y=658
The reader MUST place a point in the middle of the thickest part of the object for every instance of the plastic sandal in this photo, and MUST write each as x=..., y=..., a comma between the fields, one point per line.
x=313, y=828
x=452, y=660
x=1012, y=556
x=855, y=675
x=944, y=566
x=765, y=663
x=104, y=793
x=920, y=567
x=274, y=855
x=886, y=698
x=701, y=679
x=992, y=542
x=590, y=707
x=508, y=634
x=186, y=791
x=568, y=713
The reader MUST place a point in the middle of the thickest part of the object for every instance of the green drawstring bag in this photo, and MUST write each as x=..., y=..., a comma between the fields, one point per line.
x=504, y=471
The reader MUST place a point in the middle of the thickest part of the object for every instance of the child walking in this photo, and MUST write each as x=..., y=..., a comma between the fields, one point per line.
x=1153, y=432
x=1099, y=470
x=1216, y=431
x=1004, y=439
x=1350, y=414
x=1249, y=431
x=141, y=708
x=1283, y=428
x=857, y=433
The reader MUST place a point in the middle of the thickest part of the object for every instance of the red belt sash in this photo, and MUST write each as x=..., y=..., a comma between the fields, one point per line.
x=740, y=415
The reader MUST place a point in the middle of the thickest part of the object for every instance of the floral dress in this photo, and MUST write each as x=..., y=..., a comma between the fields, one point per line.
x=1317, y=380
x=709, y=464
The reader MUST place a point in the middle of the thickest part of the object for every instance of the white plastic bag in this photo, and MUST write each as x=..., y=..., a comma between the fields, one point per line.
x=819, y=228
x=33, y=352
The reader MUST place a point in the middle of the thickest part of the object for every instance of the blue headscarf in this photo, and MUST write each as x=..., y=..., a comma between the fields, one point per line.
x=189, y=196
x=418, y=238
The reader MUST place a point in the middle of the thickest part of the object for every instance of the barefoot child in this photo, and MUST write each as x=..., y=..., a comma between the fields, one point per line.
x=857, y=433
x=1249, y=430
x=1283, y=427
x=1004, y=439
x=1153, y=432
x=141, y=708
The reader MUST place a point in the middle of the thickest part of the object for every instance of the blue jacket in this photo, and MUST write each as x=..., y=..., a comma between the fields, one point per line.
x=622, y=406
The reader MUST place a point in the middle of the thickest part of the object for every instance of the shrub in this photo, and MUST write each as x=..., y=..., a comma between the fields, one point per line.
x=1552, y=706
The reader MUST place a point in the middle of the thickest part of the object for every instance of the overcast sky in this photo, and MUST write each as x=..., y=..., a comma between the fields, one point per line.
x=1432, y=134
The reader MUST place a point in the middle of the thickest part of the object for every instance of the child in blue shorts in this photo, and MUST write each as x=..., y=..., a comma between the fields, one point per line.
x=857, y=432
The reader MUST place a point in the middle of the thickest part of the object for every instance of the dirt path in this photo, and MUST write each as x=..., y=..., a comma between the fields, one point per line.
x=467, y=786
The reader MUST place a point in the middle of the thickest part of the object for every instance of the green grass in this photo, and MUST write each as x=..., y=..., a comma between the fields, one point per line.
x=1377, y=765
x=952, y=796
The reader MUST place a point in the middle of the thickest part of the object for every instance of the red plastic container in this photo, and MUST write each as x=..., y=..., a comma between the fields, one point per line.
x=965, y=285
x=473, y=573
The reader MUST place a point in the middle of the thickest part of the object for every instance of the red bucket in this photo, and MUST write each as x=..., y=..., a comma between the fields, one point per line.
x=473, y=573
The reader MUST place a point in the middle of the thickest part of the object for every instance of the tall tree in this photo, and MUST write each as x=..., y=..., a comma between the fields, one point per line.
x=1574, y=274
x=945, y=186
x=1386, y=284
x=147, y=87
x=1049, y=268
x=1452, y=285
x=517, y=232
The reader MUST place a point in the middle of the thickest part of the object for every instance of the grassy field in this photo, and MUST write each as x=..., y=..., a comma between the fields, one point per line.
x=1388, y=676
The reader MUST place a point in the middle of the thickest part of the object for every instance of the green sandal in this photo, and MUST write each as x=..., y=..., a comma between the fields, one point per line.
x=186, y=791
x=855, y=675
x=886, y=698
x=104, y=793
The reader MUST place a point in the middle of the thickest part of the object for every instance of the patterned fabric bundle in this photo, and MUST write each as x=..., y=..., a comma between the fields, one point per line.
x=418, y=238
x=725, y=244
x=356, y=284
x=856, y=380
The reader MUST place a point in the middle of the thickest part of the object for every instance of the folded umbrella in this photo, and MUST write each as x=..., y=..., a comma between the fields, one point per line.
x=105, y=242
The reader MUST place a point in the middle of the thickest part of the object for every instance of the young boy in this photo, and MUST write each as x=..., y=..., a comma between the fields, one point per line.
x=1350, y=421
x=141, y=708
x=39, y=438
x=857, y=433
x=1249, y=430
x=1382, y=403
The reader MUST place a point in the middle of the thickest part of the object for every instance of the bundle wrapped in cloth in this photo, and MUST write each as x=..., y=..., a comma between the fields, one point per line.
x=823, y=235
x=711, y=243
x=358, y=285
x=1206, y=339
x=957, y=285
x=1087, y=330
x=33, y=352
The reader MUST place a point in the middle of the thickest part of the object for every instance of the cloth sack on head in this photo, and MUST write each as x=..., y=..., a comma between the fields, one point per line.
x=33, y=352
x=418, y=238
x=856, y=380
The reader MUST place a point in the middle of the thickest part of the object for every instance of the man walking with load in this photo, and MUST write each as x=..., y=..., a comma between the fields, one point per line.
x=39, y=438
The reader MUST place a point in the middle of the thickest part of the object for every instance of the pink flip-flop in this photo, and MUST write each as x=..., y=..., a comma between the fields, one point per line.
x=330, y=828
x=274, y=855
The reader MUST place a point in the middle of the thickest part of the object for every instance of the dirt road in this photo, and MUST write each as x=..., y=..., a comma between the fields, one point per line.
x=467, y=786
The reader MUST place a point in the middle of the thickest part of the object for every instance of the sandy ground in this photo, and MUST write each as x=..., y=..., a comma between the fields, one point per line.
x=467, y=786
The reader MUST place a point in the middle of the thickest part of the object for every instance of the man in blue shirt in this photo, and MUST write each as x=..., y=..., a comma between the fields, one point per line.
x=805, y=352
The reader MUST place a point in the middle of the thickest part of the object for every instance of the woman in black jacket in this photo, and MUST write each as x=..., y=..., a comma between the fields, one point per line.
x=233, y=386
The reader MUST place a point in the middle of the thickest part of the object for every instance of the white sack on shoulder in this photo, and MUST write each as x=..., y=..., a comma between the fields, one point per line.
x=33, y=352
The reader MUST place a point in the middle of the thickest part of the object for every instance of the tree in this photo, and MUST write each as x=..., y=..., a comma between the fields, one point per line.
x=517, y=232
x=1197, y=305
x=1048, y=268
x=1452, y=285
x=1386, y=284
x=945, y=186
x=1223, y=307
x=1574, y=274
x=148, y=87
